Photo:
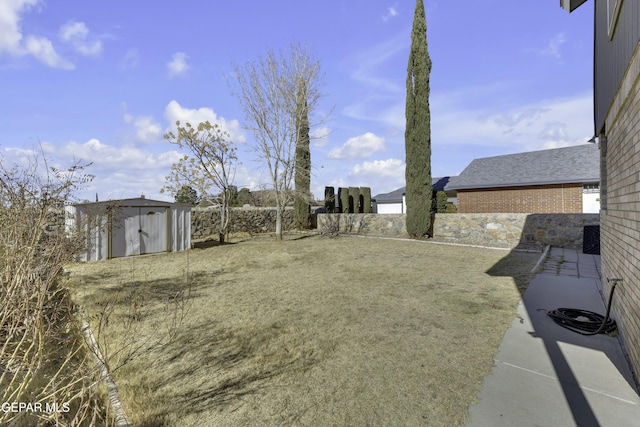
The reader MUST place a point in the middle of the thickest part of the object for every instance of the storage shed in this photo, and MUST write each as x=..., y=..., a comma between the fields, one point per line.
x=130, y=227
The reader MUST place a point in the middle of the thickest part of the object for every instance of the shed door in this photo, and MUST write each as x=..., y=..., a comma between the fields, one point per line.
x=153, y=230
x=139, y=231
x=124, y=233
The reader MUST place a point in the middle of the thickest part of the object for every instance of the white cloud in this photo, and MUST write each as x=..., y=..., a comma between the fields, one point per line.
x=18, y=152
x=544, y=124
x=380, y=175
x=320, y=136
x=130, y=59
x=379, y=168
x=178, y=65
x=358, y=147
x=77, y=34
x=366, y=66
x=42, y=49
x=249, y=177
x=392, y=12
x=120, y=172
x=526, y=117
x=391, y=113
x=377, y=87
x=10, y=31
x=553, y=46
x=107, y=157
x=14, y=43
x=147, y=129
x=175, y=112
x=73, y=31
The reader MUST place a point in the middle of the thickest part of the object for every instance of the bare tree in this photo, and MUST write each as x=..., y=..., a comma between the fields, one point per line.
x=268, y=91
x=211, y=162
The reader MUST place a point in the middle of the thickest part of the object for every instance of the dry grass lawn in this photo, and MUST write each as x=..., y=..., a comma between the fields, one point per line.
x=310, y=331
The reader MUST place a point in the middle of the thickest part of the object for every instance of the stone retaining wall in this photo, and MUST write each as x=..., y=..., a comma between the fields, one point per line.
x=388, y=225
x=205, y=221
x=493, y=230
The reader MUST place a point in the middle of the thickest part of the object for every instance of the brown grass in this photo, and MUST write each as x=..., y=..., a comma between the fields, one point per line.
x=311, y=331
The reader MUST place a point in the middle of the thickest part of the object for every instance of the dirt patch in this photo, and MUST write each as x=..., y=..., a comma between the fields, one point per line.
x=308, y=331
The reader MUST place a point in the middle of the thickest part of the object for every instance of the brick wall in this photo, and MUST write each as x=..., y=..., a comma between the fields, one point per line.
x=620, y=221
x=560, y=198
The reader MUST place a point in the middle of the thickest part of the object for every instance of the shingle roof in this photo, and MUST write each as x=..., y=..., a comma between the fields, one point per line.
x=135, y=201
x=579, y=163
x=395, y=196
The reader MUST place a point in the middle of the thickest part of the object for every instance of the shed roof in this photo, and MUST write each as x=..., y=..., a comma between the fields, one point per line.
x=136, y=201
x=395, y=196
x=580, y=163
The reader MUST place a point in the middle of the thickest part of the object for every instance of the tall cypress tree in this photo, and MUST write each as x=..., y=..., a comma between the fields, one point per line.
x=302, y=177
x=417, y=135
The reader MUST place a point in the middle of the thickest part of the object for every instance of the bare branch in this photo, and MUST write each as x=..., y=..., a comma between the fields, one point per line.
x=268, y=91
x=211, y=162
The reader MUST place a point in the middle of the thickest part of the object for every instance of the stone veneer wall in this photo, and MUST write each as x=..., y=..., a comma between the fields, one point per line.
x=387, y=225
x=493, y=230
x=205, y=221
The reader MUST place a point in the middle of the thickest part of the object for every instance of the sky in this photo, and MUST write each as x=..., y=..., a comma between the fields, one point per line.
x=101, y=82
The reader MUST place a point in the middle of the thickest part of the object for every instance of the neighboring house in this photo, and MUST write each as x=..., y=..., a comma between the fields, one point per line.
x=390, y=203
x=129, y=227
x=617, y=119
x=560, y=180
x=394, y=202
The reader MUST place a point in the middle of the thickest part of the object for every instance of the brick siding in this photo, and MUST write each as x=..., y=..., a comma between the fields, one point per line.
x=560, y=198
x=620, y=221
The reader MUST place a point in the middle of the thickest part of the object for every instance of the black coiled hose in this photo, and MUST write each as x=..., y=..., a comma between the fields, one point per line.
x=586, y=322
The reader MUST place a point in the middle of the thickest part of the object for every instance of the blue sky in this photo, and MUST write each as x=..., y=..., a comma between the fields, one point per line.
x=103, y=81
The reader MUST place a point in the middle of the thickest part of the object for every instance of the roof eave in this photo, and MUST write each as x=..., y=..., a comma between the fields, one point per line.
x=524, y=184
x=571, y=5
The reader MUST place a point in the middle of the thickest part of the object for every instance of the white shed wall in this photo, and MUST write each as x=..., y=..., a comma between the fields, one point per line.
x=93, y=226
x=180, y=228
x=136, y=230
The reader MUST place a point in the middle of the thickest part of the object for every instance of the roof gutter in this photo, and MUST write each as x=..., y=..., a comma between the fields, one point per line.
x=571, y=5
x=521, y=184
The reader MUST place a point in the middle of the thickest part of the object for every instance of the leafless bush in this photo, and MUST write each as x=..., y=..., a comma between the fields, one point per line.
x=177, y=304
x=331, y=224
x=45, y=377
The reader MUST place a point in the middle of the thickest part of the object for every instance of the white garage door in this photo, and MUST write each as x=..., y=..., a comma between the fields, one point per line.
x=590, y=198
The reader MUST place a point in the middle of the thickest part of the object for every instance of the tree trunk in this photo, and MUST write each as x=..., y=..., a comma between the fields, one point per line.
x=225, y=214
x=278, y=223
